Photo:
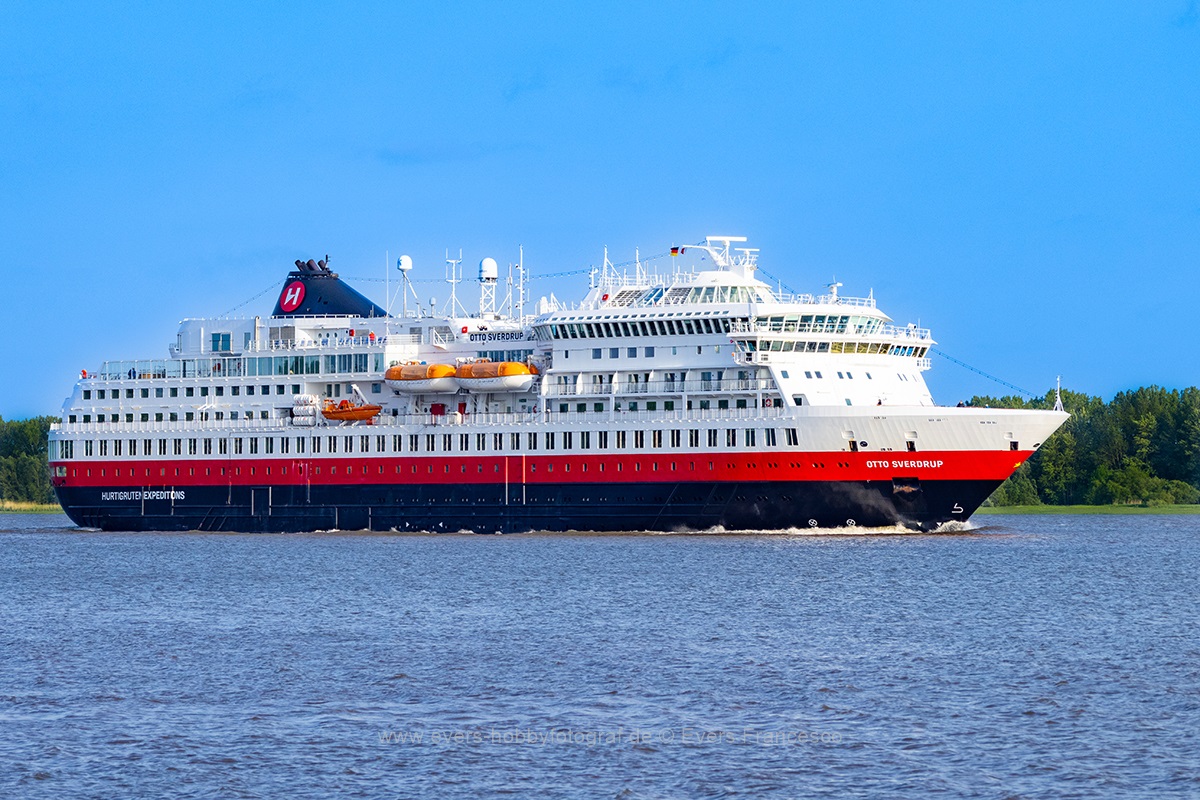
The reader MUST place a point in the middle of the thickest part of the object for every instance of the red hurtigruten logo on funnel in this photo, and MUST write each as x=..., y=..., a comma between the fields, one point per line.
x=292, y=297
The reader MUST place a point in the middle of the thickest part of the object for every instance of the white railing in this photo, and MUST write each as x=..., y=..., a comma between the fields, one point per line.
x=165, y=426
x=231, y=365
x=838, y=300
x=659, y=387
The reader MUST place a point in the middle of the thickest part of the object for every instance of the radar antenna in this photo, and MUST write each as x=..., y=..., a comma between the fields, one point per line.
x=721, y=254
x=489, y=273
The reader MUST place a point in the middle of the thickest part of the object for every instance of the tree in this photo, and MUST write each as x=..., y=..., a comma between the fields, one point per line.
x=1142, y=447
x=23, y=470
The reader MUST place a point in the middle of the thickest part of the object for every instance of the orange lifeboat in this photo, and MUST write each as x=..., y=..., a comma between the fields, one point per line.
x=346, y=411
x=422, y=378
x=495, y=376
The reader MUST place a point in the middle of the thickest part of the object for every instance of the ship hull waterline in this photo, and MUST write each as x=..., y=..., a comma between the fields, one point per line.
x=497, y=508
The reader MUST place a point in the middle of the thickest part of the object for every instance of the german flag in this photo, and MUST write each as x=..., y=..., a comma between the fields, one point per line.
x=678, y=251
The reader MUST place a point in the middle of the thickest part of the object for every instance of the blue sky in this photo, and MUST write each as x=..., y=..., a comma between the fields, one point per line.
x=1023, y=178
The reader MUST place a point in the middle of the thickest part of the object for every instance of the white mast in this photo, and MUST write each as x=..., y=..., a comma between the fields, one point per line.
x=404, y=264
x=453, y=276
x=521, y=281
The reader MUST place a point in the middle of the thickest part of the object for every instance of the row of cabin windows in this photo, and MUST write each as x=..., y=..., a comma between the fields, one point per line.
x=635, y=328
x=861, y=348
x=631, y=352
x=679, y=295
x=820, y=323
x=615, y=352
x=250, y=366
x=333, y=390
x=667, y=405
x=429, y=442
x=190, y=391
x=817, y=374
x=172, y=416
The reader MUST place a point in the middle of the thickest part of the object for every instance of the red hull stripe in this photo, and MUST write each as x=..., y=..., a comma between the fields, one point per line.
x=573, y=468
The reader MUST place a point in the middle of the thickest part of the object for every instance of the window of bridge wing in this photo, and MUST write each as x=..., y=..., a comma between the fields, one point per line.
x=676, y=295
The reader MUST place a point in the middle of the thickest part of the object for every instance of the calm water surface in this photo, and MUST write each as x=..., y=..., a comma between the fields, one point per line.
x=1032, y=657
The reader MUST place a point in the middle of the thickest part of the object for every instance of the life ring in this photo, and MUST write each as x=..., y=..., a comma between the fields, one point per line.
x=464, y=330
x=604, y=299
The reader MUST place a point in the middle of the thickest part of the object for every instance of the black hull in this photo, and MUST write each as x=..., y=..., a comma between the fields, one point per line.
x=767, y=505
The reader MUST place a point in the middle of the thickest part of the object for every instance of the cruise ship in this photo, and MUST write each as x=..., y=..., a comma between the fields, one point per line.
x=697, y=397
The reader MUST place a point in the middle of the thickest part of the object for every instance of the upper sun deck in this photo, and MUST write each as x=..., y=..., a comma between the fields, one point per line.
x=730, y=283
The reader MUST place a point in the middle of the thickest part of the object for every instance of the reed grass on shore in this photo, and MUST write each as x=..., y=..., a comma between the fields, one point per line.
x=22, y=507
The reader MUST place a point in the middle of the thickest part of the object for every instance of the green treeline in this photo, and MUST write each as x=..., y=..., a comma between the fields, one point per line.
x=1143, y=447
x=23, y=473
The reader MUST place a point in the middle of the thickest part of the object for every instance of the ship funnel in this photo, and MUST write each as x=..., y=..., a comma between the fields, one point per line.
x=312, y=289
